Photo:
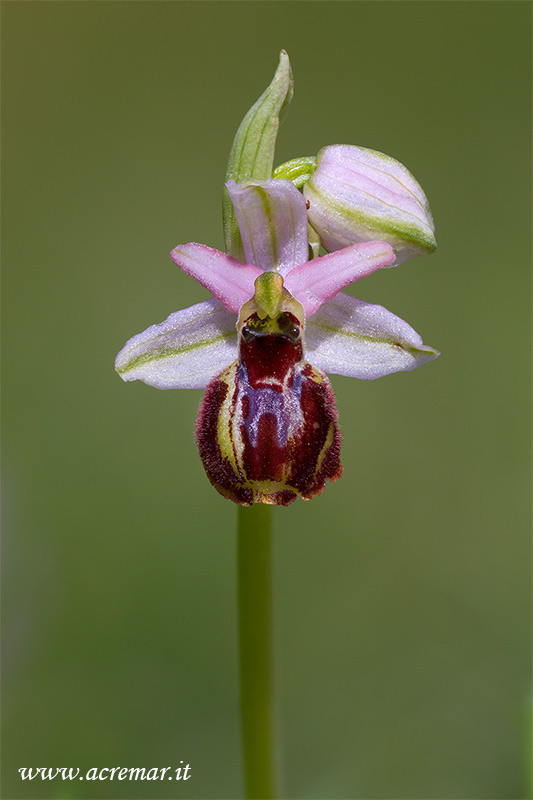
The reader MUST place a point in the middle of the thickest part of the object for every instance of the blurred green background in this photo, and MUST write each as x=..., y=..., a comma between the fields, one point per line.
x=402, y=595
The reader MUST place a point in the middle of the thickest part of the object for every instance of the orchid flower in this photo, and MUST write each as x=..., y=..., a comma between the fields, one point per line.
x=278, y=320
x=267, y=427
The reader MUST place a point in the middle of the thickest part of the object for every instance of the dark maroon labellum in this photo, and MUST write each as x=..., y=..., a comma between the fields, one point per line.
x=267, y=427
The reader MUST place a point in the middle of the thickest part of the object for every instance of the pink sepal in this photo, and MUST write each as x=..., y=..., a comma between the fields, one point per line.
x=316, y=281
x=230, y=281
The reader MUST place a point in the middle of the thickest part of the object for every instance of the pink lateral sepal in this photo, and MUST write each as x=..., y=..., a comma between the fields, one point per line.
x=322, y=278
x=229, y=281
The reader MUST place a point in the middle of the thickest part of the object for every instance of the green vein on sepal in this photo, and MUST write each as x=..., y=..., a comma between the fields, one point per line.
x=412, y=233
x=368, y=338
x=146, y=358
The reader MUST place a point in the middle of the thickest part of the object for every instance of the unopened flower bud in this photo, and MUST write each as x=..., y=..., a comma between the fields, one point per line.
x=359, y=195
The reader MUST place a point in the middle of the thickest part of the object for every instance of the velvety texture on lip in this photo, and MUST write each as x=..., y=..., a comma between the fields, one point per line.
x=267, y=427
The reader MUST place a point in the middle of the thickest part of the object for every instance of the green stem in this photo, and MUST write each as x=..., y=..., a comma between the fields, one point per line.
x=256, y=657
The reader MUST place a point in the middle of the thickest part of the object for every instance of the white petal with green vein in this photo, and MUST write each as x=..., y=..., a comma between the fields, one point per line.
x=361, y=340
x=184, y=352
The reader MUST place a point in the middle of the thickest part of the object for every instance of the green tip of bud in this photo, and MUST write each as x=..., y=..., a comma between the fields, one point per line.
x=298, y=170
x=268, y=294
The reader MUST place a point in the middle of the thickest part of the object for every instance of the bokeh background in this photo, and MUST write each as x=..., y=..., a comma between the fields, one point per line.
x=402, y=595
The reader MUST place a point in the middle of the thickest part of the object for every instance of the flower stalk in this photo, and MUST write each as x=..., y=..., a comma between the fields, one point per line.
x=258, y=718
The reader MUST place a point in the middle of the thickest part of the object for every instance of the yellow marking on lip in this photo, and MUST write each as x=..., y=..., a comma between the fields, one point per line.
x=330, y=438
x=225, y=418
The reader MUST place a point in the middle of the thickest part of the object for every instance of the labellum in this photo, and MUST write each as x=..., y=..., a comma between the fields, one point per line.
x=267, y=426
